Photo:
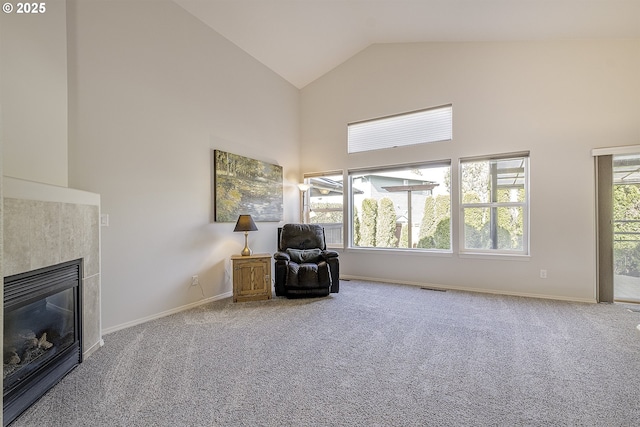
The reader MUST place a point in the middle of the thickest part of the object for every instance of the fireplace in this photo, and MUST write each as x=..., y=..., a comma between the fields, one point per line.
x=42, y=333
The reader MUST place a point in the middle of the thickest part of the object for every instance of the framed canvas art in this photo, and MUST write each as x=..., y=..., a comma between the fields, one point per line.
x=246, y=186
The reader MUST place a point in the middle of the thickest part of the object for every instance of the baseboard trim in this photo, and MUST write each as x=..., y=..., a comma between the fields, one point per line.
x=342, y=277
x=92, y=349
x=166, y=313
x=467, y=289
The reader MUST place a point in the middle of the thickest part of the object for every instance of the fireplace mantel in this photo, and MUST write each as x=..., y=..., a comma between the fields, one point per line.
x=45, y=225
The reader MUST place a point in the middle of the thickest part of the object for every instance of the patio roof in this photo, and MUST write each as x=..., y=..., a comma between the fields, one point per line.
x=626, y=169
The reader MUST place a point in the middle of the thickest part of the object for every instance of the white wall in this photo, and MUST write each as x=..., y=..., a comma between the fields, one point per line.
x=557, y=99
x=34, y=93
x=152, y=92
x=33, y=101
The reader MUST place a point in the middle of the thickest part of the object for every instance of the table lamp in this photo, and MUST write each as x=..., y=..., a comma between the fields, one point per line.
x=245, y=223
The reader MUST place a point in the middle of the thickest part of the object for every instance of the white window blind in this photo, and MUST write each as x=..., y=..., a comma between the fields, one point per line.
x=417, y=127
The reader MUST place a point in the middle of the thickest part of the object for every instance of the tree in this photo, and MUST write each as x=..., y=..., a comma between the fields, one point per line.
x=356, y=227
x=442, y=207
x=436, y=209
x=511, y=219
x=368, y=224
x=442, y=236
x=475, y=179
x=474, y=217
x=426, y=242
x=447, y=180
x=626, y=209
x=626, y=206
x=386, y=224
x=473, y=238
x=429, y=220
x=404, y=236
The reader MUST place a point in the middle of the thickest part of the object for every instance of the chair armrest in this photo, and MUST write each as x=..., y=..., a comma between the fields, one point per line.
x=329, y=254
x=281, y=256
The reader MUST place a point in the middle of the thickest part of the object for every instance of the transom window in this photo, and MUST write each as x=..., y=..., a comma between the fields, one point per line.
x=417, y=127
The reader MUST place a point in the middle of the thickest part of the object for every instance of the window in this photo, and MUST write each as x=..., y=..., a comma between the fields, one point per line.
x=402, y=207
x=324, y=205
x=495, y=204
x=417, y=127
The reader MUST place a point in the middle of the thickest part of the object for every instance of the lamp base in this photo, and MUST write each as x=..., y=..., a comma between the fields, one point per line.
x=246, y=251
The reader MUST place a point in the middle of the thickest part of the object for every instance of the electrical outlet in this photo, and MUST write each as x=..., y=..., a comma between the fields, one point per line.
x=543, y=274
x=195, y=281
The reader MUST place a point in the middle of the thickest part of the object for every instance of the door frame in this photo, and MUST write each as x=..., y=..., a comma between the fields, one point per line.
x=603, y=161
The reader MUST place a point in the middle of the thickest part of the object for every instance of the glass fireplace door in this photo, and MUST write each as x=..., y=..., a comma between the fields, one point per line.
x=42, y=333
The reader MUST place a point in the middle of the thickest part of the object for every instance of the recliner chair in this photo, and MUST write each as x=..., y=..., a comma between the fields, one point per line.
x=303, y=265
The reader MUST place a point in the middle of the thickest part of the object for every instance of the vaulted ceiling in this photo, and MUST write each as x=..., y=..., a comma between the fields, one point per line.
x=303, y=39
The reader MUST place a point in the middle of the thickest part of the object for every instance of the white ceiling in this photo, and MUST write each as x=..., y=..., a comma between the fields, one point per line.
x=303, y=39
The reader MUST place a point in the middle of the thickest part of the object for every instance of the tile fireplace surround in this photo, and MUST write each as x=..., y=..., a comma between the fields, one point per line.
x=45, y=225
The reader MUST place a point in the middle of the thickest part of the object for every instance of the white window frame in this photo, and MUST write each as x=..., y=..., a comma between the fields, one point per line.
x=524, y=205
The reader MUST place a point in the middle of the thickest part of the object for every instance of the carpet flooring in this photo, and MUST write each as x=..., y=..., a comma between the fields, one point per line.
x=376, y=354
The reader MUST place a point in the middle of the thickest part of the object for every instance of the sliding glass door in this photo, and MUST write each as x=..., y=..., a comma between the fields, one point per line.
x=626, y=227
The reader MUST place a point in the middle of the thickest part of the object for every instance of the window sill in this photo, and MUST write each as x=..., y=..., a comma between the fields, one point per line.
x=444, y=254
x=498, y=256
x=385, y=251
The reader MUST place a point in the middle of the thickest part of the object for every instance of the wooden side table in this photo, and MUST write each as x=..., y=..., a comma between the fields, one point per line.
x=251, y=277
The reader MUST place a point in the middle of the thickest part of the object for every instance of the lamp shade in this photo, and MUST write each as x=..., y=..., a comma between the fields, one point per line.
x=245, y=223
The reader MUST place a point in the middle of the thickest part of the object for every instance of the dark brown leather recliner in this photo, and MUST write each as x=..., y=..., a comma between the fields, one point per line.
x=303, y=265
